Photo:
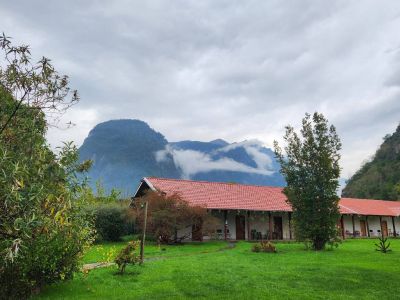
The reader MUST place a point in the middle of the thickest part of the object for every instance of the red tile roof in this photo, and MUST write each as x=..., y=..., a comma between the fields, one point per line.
x=220, y=195
x=368, y=207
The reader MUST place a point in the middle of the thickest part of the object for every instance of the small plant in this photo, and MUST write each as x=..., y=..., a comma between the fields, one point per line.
x=127, y=256
x=264, y=246
x=383, y=245
x=256, y=248
x=334, y=242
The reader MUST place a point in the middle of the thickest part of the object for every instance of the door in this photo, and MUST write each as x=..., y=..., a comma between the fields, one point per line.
x=197, y=233
x=384, y=228
x=240, y=227
x=363, y=228
x=278, y=232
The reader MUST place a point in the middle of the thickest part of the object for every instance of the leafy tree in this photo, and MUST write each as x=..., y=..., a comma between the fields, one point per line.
x=167, y=215
x=37, y=85
x=43, y=226
x=378, y=178
x=311, y=168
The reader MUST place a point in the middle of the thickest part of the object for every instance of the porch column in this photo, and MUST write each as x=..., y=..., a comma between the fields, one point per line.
x=342, y=226
x=225, y=224
x=290, y=225
x=380, y=222
x=354, y=226
x=248, y=226
x=269, y=226
x=394, y=227
x=366, y=220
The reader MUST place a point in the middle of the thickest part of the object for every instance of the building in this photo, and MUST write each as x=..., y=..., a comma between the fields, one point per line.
x=249, y=212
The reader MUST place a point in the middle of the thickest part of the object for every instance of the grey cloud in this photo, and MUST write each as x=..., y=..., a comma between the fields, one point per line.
x=222, y=69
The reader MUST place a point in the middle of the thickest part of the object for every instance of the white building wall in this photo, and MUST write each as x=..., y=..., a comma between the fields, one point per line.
x=373, y=224
x=260, y=222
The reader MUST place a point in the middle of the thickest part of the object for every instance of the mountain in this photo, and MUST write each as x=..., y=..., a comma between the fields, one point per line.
x=379, y=178
x=124, y=151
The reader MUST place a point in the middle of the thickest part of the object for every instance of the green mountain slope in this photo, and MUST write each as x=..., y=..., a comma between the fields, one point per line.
x=379, y=178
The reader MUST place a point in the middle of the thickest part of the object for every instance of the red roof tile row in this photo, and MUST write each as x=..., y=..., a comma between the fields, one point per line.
x=220, y=195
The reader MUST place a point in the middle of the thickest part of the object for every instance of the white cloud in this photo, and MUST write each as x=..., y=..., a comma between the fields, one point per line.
x=192, y=162
x=253, y=148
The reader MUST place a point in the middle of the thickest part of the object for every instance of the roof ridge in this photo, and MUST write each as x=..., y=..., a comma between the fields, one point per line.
x=214, y=182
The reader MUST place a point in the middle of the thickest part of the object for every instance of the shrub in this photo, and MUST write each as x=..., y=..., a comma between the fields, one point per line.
x=127, y=256
x=256, y=248
x=383, y=245
x=264, y=246
x=109, y=222
x=167, y=214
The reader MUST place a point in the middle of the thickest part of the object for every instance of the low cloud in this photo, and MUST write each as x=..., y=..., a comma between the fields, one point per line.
x=253, y=148
x=192, y=162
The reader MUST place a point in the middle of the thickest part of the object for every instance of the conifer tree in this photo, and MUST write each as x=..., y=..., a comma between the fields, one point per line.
x=311, y=168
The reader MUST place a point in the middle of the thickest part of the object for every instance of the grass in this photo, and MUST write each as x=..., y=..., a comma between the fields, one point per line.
x=212, y=271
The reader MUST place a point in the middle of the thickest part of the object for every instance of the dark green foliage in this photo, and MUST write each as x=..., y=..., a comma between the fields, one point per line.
x=383, y=245
x=311, y=168
x=109, y=220
x=127, y=256
x=379, y=178
x=43, y=226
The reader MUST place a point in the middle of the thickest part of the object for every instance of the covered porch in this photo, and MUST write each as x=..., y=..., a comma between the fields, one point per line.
x=253, y=225
x=359, y=226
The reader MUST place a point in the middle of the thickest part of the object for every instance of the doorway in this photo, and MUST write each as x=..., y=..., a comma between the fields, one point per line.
x=384, y=228
x=240, y=227
x=278, y=232
x=363, y=228
x=197, y=232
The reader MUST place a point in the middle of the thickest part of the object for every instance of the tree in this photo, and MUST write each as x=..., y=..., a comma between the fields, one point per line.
x=310, y=166
x=168, y=215
x=378, y=178
x=43, y=225
x=37, y=85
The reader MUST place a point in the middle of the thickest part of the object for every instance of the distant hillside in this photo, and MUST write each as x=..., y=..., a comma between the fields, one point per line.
x=379, y=178
x=124, y=151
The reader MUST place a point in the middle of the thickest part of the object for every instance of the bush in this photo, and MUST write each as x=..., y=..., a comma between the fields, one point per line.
x=127, y=256
x=109, y=220
x=383, y=245
x=264, y=246
x=167, y=214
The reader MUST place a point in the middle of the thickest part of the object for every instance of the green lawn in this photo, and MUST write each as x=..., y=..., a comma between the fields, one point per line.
x=213, y=271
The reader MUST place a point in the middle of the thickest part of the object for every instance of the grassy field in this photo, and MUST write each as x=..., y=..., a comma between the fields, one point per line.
x=214, y=271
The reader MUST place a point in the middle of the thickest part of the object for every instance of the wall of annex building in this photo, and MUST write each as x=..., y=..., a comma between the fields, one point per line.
x=373, y=224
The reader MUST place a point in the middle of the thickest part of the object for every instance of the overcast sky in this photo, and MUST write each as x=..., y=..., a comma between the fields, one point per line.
x=234, y=70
